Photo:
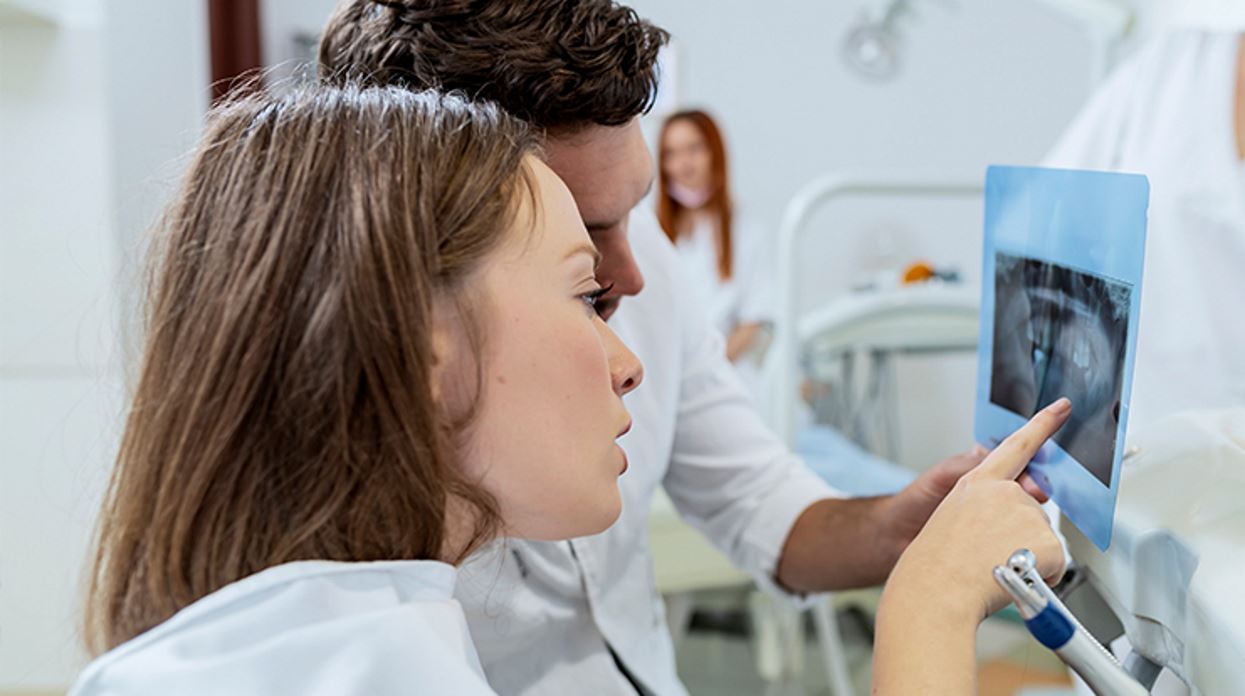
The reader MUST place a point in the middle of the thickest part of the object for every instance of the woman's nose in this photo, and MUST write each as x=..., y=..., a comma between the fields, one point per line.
x=626, y=372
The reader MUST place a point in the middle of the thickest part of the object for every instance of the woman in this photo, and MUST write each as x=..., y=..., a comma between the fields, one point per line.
x=724, y=257
x=372, y=315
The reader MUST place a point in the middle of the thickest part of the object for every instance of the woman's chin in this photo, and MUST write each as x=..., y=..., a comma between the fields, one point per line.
x=610, y=511
x=607, y=513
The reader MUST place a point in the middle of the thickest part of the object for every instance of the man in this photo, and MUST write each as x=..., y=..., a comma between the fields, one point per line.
x=584, y=616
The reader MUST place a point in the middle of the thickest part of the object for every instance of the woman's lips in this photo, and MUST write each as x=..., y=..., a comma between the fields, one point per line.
x=626, y=429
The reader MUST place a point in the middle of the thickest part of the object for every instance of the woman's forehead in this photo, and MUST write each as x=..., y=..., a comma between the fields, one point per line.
x=551, y=217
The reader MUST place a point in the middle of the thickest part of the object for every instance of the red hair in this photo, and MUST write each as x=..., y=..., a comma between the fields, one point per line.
x=670, y=213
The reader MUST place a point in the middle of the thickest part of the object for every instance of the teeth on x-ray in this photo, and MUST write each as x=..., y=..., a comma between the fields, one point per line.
x=1061, y=332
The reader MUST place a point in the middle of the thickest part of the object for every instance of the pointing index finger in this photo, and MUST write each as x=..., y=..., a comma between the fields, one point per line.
x=1012, y=456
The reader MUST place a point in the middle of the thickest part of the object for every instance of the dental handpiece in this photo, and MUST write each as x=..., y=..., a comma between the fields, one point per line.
x=1054, y=626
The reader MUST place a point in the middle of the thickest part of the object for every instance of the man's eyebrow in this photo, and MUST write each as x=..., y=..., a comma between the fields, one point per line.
x=588, y=249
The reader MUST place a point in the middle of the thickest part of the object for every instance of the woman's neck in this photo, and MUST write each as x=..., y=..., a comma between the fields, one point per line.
x=460, y=526
x=689, y=218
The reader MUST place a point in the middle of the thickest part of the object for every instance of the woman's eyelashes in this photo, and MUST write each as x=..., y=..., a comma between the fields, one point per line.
x=590, y=298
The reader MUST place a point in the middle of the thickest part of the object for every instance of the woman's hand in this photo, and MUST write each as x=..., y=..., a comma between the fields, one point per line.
x=985, y=518
x=943, y=585
x=743, y=340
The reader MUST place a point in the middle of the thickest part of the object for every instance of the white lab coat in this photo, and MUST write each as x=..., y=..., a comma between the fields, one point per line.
x=305, y=629
x=745, y=298
x=545, y=616
x=1168, y=113
x=1212, y=15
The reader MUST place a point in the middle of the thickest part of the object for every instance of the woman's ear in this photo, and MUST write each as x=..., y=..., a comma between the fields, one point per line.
x=442, y=342
x=438, y=362
x=448, y=345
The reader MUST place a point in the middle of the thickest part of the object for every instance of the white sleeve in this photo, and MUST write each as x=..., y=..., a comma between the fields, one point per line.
x=754, y=259
x=729, y=475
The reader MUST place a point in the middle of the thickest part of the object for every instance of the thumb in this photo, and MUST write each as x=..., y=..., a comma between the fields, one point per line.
x=1012, y=456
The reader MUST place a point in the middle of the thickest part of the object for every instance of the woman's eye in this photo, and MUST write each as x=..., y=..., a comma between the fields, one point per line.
x=590, y=298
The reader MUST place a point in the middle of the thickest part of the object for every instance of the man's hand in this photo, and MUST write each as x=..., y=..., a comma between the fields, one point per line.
x=840, y=543
x=906, y=512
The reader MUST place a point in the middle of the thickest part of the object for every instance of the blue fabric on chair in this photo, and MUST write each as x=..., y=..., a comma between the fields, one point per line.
x=847, y=467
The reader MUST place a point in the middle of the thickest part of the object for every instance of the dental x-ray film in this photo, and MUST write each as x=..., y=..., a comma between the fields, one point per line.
x=1059, y=306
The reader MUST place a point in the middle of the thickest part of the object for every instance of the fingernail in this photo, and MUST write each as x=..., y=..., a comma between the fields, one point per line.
x=1060, y=407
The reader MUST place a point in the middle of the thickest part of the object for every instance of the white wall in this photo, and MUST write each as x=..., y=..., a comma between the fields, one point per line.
x=93, y=102
x=286, y=25
x=985, y=82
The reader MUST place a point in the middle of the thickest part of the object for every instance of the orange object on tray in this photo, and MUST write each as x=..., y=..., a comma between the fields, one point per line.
x=918, y=272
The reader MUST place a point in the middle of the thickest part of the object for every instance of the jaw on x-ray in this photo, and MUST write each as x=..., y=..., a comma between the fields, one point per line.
x=1060, y=332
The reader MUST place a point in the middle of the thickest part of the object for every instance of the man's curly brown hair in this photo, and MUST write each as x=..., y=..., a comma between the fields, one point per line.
x=560, y=65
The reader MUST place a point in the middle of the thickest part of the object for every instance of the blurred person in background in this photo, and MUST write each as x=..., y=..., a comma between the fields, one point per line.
x=726, y=260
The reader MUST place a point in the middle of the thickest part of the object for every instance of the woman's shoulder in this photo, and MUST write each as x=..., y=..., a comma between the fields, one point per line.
x=305, y=628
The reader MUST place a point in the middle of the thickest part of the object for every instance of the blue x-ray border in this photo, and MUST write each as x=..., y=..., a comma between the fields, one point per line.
x=1093, y=222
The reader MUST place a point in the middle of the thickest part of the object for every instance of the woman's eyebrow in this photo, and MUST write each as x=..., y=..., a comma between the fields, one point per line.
x=588, y=249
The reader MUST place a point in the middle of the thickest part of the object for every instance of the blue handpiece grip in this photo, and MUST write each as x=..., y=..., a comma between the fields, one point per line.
x=1051, y=628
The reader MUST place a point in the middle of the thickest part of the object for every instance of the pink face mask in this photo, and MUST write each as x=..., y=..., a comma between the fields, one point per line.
x=688, y=197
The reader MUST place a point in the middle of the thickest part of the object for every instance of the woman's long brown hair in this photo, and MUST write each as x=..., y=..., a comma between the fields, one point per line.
x=672, y=215
x=285, y=405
